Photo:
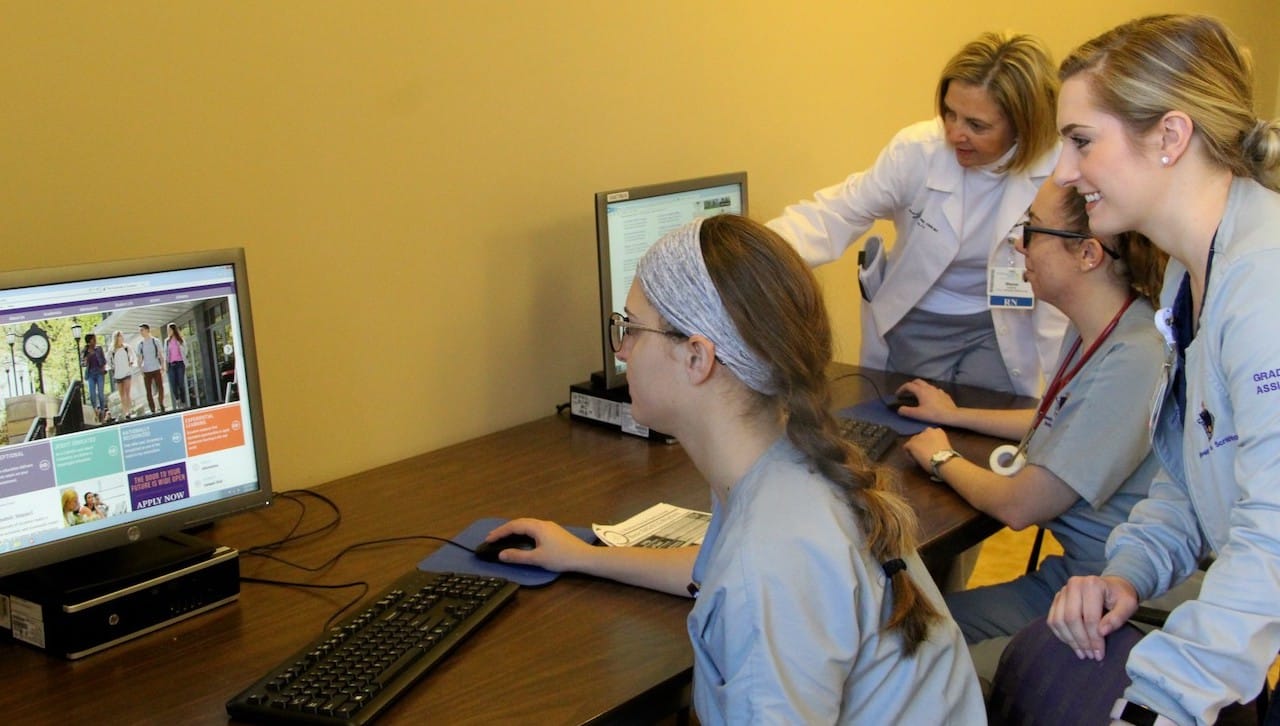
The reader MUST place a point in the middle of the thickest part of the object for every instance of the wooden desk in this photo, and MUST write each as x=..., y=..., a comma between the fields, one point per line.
x=578, y=650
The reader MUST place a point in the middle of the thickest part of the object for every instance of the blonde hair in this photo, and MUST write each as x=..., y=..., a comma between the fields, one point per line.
x=1018, y=74
x=69, y=496
x=1141, y=70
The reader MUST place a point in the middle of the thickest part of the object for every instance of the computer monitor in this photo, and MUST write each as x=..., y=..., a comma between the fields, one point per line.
x=151, y=474
x=630, y=220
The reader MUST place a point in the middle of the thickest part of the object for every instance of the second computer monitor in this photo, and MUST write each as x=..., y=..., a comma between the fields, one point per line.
x=629, y=221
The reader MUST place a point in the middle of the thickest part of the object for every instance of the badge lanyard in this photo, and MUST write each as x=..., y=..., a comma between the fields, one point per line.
x=1009, y=460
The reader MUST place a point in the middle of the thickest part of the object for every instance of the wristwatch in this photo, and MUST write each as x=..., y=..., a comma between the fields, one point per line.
x=1137, y=714
x=940, y=458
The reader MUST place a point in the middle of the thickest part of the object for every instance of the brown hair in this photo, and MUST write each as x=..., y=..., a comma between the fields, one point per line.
x=1141, y=70
x=1016, y=71
x=1141, y=263
x=776, y=304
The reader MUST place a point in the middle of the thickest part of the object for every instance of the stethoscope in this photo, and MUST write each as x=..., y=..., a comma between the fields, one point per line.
x=1008, y=459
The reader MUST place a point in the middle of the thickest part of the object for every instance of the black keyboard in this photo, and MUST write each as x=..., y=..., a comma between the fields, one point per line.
x=358, y=668
x=875, y=439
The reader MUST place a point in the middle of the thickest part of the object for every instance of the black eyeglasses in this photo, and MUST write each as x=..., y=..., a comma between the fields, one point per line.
x=1029, y=230
x=620, y=328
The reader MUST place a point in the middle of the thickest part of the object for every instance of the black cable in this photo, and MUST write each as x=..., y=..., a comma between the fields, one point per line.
x=293, y=535
x=267, y=550
x=358, y=545
x=560, y=407
x=863, y=376
x=364, y=590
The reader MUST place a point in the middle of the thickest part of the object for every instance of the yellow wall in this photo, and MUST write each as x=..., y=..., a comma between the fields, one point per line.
x=413, y=180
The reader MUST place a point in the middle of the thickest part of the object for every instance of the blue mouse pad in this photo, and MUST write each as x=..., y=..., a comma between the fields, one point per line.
x=877, y=411
x=455, y=559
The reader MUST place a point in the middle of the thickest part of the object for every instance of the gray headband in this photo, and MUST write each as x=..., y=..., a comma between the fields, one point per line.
x=675, y=279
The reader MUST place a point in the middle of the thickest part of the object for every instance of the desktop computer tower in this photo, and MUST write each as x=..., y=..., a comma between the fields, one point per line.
x=37, y=607
x=591, y=401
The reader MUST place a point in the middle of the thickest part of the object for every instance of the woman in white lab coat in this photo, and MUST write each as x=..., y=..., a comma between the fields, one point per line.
x=947, y=300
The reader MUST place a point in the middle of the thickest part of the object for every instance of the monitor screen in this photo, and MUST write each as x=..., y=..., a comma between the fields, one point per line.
x=629, y=221
x=158, y=430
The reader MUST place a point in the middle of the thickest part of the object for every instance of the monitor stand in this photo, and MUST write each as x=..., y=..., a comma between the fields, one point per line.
x=90, y=603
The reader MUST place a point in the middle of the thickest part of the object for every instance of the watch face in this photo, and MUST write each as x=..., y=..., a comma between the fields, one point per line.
x=37, y=346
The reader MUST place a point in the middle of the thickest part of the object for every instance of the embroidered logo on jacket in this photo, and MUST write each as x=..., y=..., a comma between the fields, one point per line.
x=1205, y=419
x=918, y=218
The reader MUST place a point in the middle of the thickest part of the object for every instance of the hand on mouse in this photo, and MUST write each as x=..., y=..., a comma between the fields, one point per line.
x=932, y=403
x=557, y=549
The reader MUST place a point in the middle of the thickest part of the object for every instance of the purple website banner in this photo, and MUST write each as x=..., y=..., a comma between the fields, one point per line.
x=25, y=469
x=94, y=304
x=153, y=487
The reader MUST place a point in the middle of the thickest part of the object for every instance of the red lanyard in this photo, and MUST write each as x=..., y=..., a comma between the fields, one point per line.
x=1059, y=381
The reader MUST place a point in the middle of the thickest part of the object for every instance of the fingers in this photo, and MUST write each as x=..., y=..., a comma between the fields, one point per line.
x=1087, y=609
x=1075, y=613
x=1121, y=603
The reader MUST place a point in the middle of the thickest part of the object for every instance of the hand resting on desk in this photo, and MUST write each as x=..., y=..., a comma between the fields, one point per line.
x=559, y=550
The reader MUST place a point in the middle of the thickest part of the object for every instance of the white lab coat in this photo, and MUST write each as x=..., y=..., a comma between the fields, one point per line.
x=916, y=182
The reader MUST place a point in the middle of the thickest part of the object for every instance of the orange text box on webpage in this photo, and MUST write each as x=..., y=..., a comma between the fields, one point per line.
x=212, y=430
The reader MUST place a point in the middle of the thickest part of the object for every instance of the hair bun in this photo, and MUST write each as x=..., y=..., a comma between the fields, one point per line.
x=1262, y=150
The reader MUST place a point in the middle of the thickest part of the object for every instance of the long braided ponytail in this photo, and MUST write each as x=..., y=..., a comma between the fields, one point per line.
x=776, y=305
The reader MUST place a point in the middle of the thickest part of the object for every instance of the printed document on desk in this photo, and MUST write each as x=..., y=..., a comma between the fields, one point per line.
x=661, y=526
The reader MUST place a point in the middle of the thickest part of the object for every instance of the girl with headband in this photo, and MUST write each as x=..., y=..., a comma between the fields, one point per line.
x=1084, y=459
x=812, y=605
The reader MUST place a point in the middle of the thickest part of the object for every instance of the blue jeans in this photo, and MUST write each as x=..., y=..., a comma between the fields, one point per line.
x=178, y=382
x=97, y=399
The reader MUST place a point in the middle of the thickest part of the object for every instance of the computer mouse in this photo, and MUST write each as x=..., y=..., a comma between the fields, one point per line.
x=904, y=399
x=488, y=551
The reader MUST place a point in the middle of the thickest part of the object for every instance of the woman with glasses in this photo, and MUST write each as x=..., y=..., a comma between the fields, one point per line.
x=1084, y=459
x=811, y=603
x=1161, y=136
x=947, y=301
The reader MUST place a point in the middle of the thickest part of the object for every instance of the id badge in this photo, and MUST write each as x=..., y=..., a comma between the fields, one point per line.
x=1006, y=288
x=1164, y=324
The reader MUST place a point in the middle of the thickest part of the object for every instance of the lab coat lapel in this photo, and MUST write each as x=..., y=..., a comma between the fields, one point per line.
x=946, y=177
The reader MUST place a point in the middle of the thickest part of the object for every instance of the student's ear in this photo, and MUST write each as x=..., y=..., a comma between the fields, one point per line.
x=1091, y=254
x=701, y=358
x=1176, y=130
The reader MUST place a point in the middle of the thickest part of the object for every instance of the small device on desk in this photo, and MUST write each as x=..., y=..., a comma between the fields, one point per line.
x=358, y=668
x=903, y=399
x=488, y=551
x=875, y=439
x=79, y=607
x=591, y=401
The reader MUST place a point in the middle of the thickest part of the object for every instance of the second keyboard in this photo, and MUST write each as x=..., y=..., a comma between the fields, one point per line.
x=875, y=439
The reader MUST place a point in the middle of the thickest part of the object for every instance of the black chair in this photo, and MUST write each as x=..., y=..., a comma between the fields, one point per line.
x=1041, y=682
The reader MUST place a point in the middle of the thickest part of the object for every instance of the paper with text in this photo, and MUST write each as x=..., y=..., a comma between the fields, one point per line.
x=661, y=526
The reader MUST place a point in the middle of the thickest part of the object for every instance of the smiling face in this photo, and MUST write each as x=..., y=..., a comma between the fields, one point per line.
x=1117, y=175
x=976, y=127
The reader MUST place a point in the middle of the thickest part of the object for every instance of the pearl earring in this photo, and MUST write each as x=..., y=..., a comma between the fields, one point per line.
x=1164, y=160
